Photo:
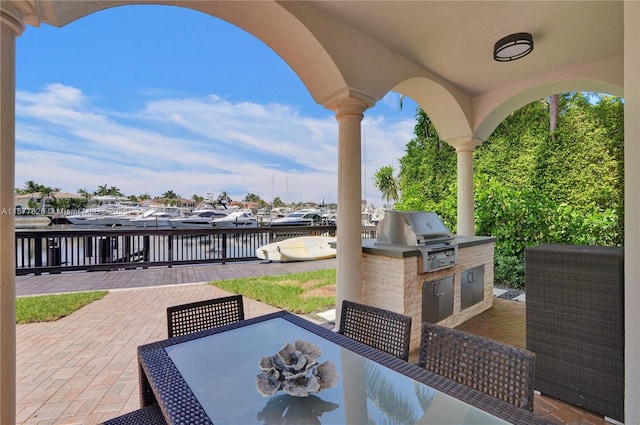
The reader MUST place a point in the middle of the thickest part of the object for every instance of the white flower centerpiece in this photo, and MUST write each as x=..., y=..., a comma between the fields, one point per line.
x=295, y=370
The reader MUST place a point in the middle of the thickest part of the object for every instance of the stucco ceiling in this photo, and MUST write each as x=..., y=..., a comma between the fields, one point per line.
x=452, y=40
x=439, y=53
x=455, y=39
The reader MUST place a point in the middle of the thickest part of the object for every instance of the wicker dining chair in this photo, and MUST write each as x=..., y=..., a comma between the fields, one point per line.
x=498, y=369
x=149, y=415
x=197, y=316
x=376, y=327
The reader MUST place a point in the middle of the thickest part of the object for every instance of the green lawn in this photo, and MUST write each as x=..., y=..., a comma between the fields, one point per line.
x=301, y=293
x=48, y=308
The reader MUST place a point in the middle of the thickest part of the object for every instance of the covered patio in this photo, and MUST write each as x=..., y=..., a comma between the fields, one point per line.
x=349, y=55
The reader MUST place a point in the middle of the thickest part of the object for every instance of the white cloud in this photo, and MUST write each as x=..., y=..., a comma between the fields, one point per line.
x=191, y=146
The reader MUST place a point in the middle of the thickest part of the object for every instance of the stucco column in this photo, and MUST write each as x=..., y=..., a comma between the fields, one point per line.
x=11, y=26
x=632, y=210
x=349, y=108
x=464, y=148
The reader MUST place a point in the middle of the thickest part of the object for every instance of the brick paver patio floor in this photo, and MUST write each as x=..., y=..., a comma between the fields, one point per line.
x=505, y=322
x=82, y=369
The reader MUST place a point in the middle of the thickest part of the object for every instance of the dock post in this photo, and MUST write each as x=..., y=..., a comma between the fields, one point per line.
x=146, y=248
x=88, y=246
x=37, y=253
x=104, y=250
x=224, y=248
x=54, y=254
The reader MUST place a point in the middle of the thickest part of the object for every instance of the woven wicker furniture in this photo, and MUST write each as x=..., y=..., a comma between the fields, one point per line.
x=575, y=324
x=149, y=415
x=376, y=327
x=498, y=369
x=197, y=316
x=161, y=381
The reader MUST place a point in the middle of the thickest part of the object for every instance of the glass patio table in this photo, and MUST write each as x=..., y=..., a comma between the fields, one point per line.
x=209, y=377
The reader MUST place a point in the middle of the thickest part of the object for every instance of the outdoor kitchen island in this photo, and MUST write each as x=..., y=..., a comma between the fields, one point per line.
x=432, y=279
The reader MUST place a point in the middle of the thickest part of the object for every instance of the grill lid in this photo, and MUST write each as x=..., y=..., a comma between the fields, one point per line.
x=412, y=228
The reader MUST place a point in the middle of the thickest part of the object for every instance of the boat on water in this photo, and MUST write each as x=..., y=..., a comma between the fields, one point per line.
x=303, y=248
x=237, y=219
x=299, y=218
x=202, y=219
x=156, y=218
x=87, y=217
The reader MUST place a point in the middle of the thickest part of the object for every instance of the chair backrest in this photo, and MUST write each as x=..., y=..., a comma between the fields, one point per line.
x=498, y=369
x=378, y=328
x=188, y=318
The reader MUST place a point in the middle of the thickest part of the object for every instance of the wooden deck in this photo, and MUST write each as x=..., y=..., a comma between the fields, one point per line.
x=158, y=276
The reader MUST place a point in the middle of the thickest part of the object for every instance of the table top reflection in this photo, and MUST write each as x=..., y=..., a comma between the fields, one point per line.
x=210, y=377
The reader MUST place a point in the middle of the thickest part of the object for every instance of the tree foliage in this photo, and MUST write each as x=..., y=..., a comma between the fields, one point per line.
x=277, y=202
x=428, y=168
x=531, y=186
x=103, y=190
x=33, y=187
x=385, y=182
x=252, y=197
x=170, y=194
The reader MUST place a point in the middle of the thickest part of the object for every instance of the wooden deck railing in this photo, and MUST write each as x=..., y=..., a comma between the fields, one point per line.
x=56, y=251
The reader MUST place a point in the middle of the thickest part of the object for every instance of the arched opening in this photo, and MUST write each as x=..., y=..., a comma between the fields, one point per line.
x=205, y=108
x=533, y=184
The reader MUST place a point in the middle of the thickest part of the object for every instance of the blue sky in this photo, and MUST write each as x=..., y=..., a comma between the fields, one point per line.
x=157, y=98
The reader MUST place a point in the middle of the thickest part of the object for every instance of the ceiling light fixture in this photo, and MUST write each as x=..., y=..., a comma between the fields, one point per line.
x=512, y=47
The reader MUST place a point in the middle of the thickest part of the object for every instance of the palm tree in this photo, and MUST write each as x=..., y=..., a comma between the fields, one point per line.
x=170, y=198
x=30, y=187
x=277, y=202
x=553, y=115
x=170, y=194
x=102, y=190
x=114, y=191
x=86, y=195
x=386, y=183
x=252, y=197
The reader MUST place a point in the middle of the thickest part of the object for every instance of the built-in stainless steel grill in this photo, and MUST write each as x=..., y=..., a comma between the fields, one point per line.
x=424, y=230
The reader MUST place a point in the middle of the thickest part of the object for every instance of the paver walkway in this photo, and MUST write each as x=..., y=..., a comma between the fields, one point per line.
x=158, y=276
x=82, y=369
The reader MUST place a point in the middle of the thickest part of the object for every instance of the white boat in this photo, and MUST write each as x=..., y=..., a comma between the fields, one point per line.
x=156, y=218
x=303, y=248
x=124, y=217
x=299, y=218
x=87, y=217
x=106, y=218
x=237, y=219
x=202, y=219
